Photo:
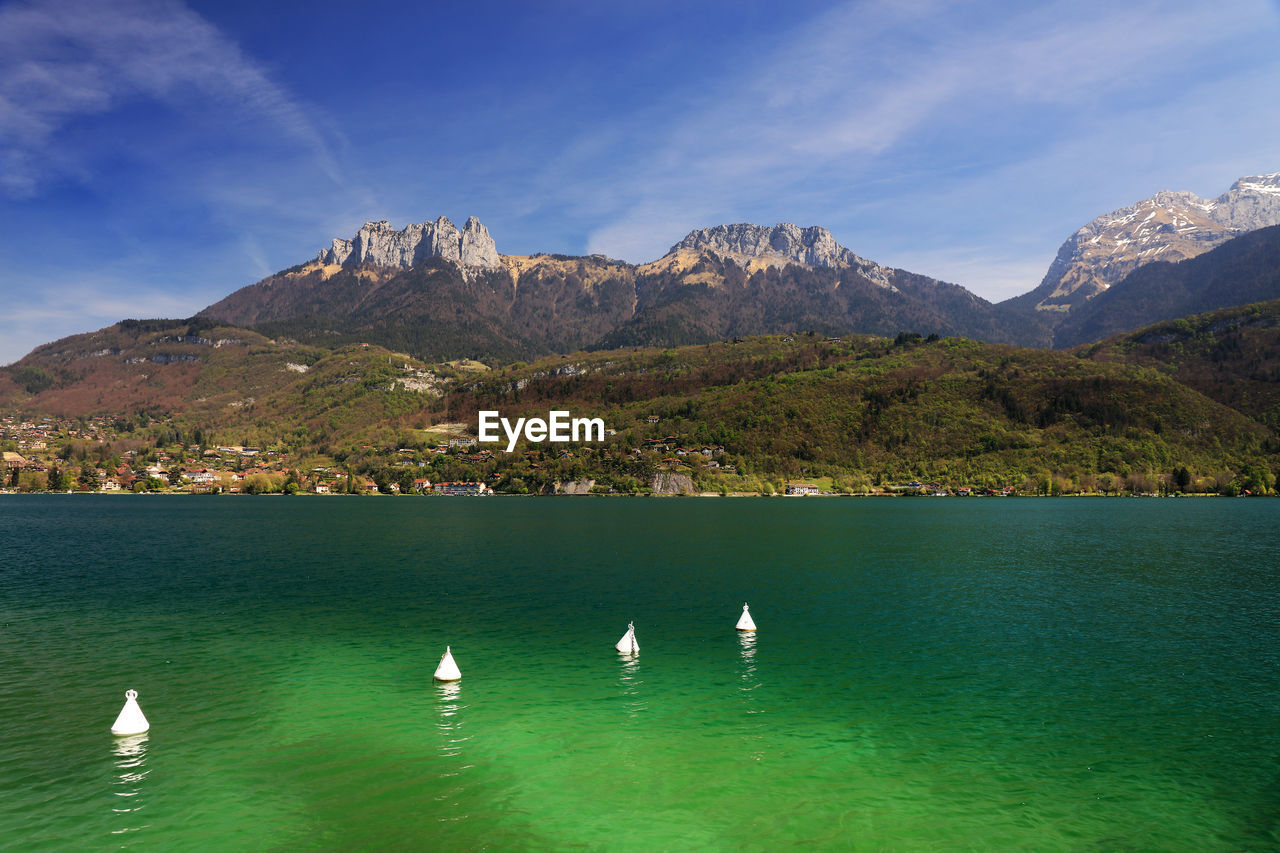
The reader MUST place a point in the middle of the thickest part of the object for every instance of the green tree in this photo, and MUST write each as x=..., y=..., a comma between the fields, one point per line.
x=1257, y=480
x=58, y=481
x=88, y=478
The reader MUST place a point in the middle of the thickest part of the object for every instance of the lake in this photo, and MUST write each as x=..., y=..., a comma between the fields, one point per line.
x=928, y=674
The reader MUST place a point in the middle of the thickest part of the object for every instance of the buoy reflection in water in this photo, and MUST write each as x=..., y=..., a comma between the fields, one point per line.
x=747, y=640
x=631, y=682
x=752, y=725
x=131, y=771
x=750, y=680
x=451, y=722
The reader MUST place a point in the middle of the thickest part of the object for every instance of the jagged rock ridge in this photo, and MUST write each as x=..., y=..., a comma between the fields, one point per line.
x=813, y=246
x=378, y=243
x=429, y=289
x=1169, y=226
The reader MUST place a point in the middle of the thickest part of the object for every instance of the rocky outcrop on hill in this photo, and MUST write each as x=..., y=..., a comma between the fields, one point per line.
x=575, y=487
x=1169, y=226
x=670, y=483
x=378, y=243
x=813, y=246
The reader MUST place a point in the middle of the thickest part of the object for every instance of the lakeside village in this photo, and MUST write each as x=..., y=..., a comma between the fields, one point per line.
x=59, y=456
x=103, y=454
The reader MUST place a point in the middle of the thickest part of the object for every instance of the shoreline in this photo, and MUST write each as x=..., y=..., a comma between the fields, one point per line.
x=822, y=496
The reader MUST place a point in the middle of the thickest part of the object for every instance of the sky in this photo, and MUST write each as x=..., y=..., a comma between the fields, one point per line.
x=156, y=156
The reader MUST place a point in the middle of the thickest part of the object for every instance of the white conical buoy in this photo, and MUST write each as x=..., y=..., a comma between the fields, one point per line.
x=447, y=670
x=131, y=720
x=628, y=645
x=745, y=622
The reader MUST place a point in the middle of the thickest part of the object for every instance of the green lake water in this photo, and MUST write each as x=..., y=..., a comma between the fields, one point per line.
x=958, y=674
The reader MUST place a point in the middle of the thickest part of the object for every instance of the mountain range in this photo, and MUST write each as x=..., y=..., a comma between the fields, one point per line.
x=440, y=292
x=775, y=349
x=434, y=292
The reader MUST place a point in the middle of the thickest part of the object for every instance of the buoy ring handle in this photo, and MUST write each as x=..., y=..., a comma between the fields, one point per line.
x=131, y=694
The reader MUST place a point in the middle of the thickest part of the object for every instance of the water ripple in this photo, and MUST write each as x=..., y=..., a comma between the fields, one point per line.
x=934, y=676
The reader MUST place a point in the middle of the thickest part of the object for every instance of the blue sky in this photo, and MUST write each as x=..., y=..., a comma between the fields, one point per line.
x=156, y=156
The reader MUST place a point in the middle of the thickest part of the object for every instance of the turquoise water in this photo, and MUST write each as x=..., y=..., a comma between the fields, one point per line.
x=986, y=674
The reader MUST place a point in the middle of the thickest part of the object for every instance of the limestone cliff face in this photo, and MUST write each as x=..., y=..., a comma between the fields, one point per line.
x=476, y=247
x=1169, y=226
x=1250, y=204
x=380, y=244
x=670, y=483
x=813, y=246
x=575, y=487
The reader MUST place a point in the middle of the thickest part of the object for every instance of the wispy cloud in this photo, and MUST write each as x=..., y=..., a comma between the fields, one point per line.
x=65, y=59
x=201, y=169
x=874, y=89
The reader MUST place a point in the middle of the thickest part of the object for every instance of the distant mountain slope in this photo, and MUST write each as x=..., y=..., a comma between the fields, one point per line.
x=1230, y=355
x=699, y=296
x=440, y=310
x=419, y=290
x=1169, y=226
x=1240, y=271
x=149, y=365
x=229, y=382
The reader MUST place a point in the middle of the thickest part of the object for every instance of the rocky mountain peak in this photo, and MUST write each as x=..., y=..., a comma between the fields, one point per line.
x=1168, y=226
x=1262, y=184
x=1250, y=204
x=813, y=246
x=378, y=243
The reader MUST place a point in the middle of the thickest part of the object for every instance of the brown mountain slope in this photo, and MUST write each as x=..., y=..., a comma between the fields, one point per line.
x=150, y=365
x=1231, y=355
x=439, y=310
